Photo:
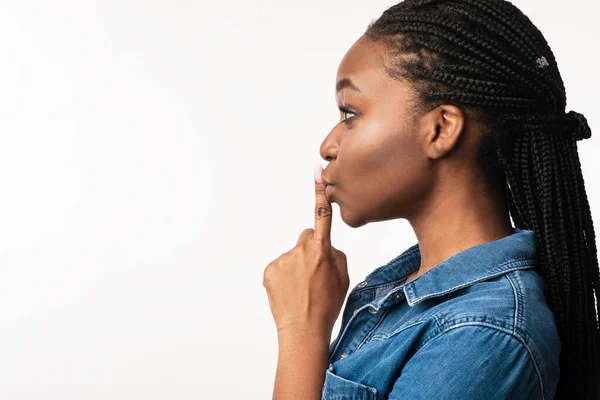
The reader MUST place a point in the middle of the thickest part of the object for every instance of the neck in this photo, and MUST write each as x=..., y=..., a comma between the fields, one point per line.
x=456, y=221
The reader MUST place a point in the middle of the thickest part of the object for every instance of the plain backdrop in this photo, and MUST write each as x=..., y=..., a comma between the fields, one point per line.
x=155, y=156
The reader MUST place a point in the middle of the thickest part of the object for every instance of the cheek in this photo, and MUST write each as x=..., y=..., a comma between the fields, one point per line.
x=380, y=152
x=370, y=146
x=385, y=176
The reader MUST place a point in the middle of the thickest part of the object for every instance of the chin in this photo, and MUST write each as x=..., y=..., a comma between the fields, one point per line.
x=351, y=220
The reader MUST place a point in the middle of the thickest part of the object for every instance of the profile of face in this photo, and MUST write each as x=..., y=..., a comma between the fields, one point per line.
x=378, y=165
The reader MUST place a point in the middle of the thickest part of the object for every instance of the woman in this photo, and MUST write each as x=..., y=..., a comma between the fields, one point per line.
x=453, y=117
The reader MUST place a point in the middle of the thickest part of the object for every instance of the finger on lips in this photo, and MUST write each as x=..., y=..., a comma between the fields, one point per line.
x=323, y=209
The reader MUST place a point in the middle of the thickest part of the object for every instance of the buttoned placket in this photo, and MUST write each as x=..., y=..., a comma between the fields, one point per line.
x=367, y=322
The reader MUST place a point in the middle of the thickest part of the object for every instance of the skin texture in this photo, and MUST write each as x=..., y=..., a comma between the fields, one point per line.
x=388, y=161
x=306, y=287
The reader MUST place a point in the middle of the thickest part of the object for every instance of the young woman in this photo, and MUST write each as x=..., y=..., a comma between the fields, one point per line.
x=453, y=117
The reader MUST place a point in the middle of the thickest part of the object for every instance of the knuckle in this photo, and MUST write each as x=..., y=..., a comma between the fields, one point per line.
x=303, y=248
x=322, y=211
x=318, y=249
x=322, y=243
x=268, y=274
x=307, y=232
x=346, y=283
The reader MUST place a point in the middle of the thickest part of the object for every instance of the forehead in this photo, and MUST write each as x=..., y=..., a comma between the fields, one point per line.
x=364, y=64
x=363, y=58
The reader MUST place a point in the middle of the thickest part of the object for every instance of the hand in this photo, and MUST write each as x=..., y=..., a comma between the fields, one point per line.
x=306, y=286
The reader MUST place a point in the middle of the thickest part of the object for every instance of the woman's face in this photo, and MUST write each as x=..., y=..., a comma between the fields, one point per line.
x=377, y=166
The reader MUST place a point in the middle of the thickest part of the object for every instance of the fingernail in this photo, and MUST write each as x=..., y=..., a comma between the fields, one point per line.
x=318, y=173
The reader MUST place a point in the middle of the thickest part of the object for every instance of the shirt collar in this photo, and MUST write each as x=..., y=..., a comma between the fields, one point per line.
x=478, y=263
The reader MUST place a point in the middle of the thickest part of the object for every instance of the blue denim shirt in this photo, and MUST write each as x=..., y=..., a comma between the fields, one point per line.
x=476, y=326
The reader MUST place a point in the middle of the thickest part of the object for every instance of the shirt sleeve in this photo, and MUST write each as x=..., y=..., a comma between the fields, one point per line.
x=470, y=362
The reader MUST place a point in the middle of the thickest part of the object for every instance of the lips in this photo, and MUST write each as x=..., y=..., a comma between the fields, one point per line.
x=329, y=188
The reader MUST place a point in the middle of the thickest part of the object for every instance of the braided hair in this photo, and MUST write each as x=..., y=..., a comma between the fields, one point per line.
x=489, y=59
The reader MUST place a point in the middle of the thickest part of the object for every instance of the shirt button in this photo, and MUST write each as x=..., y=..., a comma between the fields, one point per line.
x=362, y=284
x=344, y=355
x=372, y=310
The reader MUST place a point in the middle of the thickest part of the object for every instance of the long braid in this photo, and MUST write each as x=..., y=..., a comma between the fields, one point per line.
x=488, y=57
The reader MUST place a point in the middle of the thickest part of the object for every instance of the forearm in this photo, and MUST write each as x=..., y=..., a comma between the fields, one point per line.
x=301, y=365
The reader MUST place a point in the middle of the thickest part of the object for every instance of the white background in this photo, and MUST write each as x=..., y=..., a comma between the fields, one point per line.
x=155, y=156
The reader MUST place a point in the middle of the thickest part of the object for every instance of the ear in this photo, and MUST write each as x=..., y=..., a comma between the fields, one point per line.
x=444, y=125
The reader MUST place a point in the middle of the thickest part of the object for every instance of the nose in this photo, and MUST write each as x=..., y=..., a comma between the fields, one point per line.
x=329, y=147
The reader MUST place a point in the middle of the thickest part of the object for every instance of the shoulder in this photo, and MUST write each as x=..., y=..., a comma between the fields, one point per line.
x=471, y=361
x=515, y=301
x=508, y=319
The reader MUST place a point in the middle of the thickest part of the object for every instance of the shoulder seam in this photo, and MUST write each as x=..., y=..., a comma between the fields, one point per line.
x=516, y=303
x=516, y=336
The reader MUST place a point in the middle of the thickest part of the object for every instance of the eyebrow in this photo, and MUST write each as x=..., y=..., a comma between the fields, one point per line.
x=345, y=83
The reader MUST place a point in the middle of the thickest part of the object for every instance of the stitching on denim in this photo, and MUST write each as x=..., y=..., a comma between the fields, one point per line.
x=436, y=332
x=379, y=270
x=495, y=272
x=370, y=334
x=378, y=285
x=519, y=285
x=520, y=315
x=516, y=302
x=381, y=336
x=345, y=329
x=371, y=389
x=409, y=294
x=431, y=335
x=498, y=267
x=437, y=321
x=500, y=329
x=340, y=335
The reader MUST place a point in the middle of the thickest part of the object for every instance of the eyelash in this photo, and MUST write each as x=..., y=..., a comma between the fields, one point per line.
x=346, y=110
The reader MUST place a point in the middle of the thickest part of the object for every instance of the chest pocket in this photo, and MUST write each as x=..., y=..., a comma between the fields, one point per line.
x=338, y=388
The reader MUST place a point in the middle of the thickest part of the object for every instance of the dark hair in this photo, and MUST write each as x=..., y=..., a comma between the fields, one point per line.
x=489, y=59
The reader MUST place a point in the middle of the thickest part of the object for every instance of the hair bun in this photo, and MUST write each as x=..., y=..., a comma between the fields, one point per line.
x=581, y=129
x=571, y=125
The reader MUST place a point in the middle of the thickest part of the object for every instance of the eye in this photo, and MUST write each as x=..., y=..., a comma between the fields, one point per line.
x=347, y=111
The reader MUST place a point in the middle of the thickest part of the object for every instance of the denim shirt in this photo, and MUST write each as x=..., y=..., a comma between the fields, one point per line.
x=476, y=326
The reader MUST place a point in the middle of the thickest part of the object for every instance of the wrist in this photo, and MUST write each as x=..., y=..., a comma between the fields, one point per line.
x=309, y=332
x=301, y=363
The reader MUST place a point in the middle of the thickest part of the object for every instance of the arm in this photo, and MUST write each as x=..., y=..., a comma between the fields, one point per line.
x=301, y=365
x=470, y=362
x=306, y=288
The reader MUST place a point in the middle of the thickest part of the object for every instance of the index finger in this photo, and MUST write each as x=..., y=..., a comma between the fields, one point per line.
x=323, y=209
